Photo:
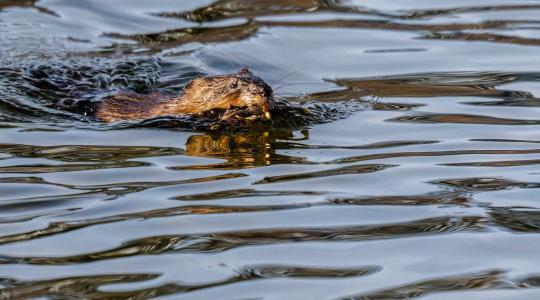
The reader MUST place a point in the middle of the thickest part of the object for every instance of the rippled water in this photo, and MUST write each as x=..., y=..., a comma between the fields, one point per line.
x=419, y=177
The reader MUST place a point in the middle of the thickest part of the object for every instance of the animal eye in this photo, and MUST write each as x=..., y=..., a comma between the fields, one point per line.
x=234, y=85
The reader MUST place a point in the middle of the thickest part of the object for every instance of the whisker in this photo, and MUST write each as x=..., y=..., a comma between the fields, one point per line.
x=295, y=83
x=288, y=74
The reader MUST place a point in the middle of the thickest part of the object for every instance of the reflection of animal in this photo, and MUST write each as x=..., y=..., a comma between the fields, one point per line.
x=244, y=149
x=240, y=97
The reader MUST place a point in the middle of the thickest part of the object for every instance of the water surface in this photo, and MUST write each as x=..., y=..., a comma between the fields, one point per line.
x=420, y=179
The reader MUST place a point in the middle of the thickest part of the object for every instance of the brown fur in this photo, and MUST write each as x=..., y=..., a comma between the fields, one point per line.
x=236, y=96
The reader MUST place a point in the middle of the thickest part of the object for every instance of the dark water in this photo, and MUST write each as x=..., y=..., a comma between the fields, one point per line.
x=420, y=178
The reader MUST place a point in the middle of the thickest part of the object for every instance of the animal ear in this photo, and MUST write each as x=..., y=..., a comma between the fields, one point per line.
x=245, y=72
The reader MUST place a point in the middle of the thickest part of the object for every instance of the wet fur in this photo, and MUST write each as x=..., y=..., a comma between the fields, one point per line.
x=240, y=96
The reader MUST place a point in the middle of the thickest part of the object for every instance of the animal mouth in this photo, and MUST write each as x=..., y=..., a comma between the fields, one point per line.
x=238, y=115
x=246, y=113
x=240, y=111
x=256, y=109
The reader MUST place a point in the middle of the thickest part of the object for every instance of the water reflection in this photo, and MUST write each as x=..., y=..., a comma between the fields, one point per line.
x=462, y=119
x=415, y=129
x=357, y=169
x=497, y=164
x=378, y=156
x=484, y=37
x=177, y=37
x=441, y=85
x=429, y=13
x=451, y=31
x=436, y=198
x=241, y=150
x=449, y=195
x=490, y=279
x=80, y=158
x=25, y=3
x=222, y=241
x=224, y=9
x=483, y=184
x=517, y=219
x=89, y=287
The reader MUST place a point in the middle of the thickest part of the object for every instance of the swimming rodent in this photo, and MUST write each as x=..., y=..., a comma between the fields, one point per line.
x=235, y=98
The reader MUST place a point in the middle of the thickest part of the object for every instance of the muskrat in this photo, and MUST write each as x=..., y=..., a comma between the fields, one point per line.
x=240, y=97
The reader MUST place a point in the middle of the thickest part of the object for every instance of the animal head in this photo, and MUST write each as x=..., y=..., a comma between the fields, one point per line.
x=237, y=97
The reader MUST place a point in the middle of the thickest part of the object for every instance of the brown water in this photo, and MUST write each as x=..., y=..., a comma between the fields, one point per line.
x=420, y=178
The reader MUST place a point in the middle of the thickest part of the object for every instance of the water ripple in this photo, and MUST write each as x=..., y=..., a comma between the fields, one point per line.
x=222, y=241
x=406, y=169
